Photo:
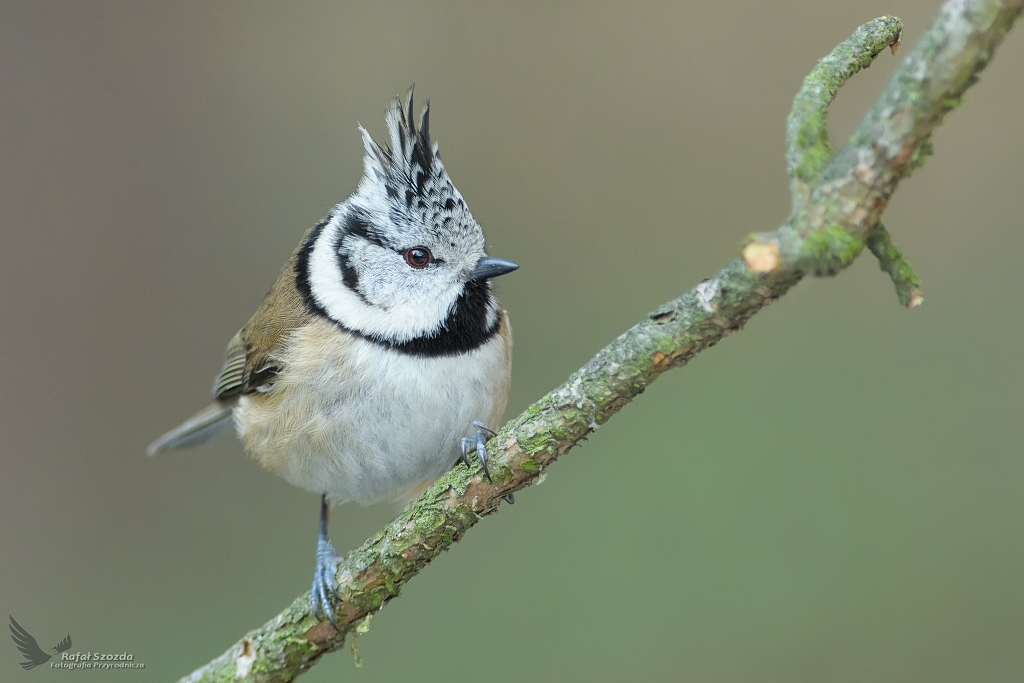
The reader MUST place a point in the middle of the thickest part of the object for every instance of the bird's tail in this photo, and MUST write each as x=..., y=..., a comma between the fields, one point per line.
x=200, y=428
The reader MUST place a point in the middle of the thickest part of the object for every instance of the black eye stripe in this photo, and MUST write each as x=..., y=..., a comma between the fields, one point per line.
x=358, y=225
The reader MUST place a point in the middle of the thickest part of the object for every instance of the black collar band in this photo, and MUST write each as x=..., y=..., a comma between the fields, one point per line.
x=465, y=329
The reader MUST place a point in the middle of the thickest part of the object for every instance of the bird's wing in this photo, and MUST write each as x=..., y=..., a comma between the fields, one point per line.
x=233, y=375
x=63, y=645
x=27, y=645
x=250, y=363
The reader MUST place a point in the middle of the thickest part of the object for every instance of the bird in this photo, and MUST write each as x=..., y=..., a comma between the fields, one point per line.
x=380, y=359
x=28, y=646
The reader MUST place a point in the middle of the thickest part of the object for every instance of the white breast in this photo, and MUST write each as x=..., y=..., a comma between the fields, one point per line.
x=363, y=422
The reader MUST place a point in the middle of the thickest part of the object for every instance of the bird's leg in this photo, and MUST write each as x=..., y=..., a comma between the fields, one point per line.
x=478, y=442
x=327, y=559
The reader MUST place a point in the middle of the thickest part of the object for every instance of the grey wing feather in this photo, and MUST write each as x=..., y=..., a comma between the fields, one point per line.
x=233, y=376
x=200, y=428
x=216, y=417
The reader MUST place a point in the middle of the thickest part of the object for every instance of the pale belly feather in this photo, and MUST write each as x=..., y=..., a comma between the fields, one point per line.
x=360, y=422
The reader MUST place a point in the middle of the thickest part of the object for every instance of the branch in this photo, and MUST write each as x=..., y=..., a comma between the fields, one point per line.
x=892, y=261
x=808, y=148
x=840, y=200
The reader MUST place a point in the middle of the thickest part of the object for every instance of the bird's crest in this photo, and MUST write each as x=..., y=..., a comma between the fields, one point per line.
x=407, y=173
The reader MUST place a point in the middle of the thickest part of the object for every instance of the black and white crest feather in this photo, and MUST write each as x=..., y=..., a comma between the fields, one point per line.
x=353, y=268
x=408, y=175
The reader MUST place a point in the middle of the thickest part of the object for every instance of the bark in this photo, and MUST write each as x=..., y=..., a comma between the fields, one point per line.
x=838, y=199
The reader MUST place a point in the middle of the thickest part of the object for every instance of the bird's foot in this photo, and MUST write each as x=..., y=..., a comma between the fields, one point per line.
x=478, y=442
x=324, y=581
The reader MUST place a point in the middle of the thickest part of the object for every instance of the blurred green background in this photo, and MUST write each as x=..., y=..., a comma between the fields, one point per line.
x=833, y=494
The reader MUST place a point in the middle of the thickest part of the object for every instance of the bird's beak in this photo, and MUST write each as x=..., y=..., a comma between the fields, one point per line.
x=488, y=267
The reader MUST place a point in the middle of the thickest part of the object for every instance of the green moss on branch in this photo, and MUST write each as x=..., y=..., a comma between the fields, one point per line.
x=892, y=261
x=828, y=251
x=807, y=142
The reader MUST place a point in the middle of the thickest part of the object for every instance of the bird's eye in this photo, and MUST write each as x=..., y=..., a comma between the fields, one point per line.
x=418, y=257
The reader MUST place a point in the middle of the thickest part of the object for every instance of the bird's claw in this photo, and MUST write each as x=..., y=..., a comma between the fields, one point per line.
x=327, y=560
x=478, y=442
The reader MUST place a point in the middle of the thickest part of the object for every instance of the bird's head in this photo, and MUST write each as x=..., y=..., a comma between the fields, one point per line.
x=403, y=258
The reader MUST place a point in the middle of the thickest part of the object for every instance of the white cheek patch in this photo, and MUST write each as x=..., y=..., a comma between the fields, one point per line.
x=405, y=311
